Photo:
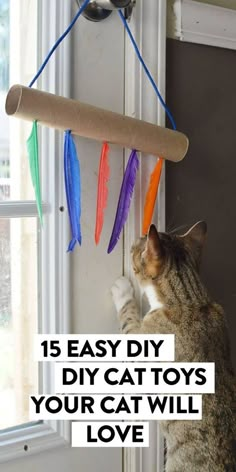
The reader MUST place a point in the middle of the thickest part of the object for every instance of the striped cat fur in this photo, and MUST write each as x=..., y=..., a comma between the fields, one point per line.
x=167, y=269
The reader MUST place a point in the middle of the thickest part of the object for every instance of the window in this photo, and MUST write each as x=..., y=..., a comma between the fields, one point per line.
x=18, y=318
x=19, y=240
x=34, y=267
x=4, y=84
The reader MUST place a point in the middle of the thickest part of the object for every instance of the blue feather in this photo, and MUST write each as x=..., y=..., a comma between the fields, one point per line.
x=73, y=188
x=124, y=199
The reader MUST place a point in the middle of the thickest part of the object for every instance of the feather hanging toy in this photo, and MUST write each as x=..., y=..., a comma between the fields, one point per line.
x=124, y=199
x=102, y=193
x=73, y=188
x=72, y=169
x=151, y=196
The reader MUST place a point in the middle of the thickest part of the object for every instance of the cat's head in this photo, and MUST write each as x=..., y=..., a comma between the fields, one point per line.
x=161, y=255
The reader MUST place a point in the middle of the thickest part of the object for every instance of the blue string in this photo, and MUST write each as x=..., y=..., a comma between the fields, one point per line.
x=168, y=112
x=62, y=37
x=83, y=6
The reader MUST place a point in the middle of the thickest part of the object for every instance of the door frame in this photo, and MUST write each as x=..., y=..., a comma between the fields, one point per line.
x=148, y=24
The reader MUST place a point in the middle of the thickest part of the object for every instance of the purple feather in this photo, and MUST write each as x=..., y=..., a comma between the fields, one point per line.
x=124, y=199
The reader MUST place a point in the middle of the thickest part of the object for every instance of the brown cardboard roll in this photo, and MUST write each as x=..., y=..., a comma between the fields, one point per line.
x=95, y=123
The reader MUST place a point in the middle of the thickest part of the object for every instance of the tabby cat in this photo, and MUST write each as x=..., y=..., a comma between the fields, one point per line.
x=167, y=269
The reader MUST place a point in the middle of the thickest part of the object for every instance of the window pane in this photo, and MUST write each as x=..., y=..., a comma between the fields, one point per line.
x=18, y=318
x=18, y=64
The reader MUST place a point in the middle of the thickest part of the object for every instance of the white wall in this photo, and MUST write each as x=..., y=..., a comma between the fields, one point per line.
x=70, y=460
x=221, y=3
x=172, y=18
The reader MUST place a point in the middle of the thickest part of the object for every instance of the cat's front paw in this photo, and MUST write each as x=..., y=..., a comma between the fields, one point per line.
x=122, y=292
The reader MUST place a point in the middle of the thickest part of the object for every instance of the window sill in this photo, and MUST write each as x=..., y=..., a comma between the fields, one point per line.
x=27, y=440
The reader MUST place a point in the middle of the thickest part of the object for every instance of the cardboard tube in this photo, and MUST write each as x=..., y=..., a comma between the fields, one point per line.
x=95, y=123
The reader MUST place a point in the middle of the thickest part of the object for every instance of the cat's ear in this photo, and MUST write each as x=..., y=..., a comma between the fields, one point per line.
x=153, y=244
x=196, y=237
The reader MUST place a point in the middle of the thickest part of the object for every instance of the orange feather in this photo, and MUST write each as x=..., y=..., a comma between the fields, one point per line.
x=151, y=196
x=102, y=193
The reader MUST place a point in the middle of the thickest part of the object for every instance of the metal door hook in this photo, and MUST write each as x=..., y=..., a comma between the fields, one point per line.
x=100, y=9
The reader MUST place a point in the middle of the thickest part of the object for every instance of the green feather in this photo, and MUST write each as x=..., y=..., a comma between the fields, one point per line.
x=32, y=148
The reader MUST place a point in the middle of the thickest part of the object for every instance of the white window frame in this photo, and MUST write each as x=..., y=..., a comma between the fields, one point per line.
x=202, y=23
x=54, y=271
